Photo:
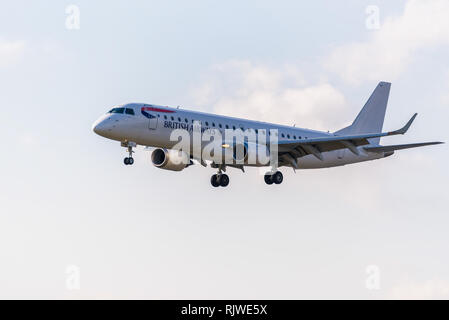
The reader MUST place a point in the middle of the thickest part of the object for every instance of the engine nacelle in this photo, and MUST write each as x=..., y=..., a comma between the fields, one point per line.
x=168, y=159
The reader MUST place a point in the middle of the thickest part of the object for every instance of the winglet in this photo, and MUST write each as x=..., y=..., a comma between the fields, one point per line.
x=404, y=129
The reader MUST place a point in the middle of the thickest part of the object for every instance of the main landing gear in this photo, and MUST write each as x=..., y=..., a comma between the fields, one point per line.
x=219, y=180
x=275, y=178
x=129, y=160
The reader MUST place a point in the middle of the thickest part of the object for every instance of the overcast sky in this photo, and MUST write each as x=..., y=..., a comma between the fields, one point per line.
x=76, y=223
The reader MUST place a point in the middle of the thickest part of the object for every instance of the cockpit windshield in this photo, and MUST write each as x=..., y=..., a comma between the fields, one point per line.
x=128, y=111
x=117, y=110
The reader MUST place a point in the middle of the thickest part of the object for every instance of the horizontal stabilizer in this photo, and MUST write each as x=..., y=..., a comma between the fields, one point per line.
x=380, y=149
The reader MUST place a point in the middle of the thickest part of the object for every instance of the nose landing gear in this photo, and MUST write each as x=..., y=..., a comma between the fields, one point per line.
x=129, y=160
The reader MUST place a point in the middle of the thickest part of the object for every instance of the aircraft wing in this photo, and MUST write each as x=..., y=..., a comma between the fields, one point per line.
x=380, y=149
x=315, y=146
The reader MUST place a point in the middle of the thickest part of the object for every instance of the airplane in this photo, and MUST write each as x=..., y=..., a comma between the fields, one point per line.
x=151, y=126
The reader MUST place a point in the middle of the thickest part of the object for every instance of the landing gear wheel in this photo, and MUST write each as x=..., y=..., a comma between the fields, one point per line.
x=224, y=180
x=128, y=161
x=129, y=145
x=278, y=177
x=214, y=181
x=268, y=178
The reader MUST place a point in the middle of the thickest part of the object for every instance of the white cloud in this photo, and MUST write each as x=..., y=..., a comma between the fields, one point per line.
x=411, y=290
x=10, y=52
x=282, y=95
x=388, y=52
x=444, y=98
x=28, y=140
x=243, y=89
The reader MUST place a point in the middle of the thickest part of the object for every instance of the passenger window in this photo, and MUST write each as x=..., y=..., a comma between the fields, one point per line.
x=186, y=120
x=207, y=123
x=165, y=117
x=179, y=119
x=213, y=124
x=294, y=137
x=172, y=118
x=282, y=135
x=227, y=127
x=219, y=125
x=233, y=127
x=288, y=136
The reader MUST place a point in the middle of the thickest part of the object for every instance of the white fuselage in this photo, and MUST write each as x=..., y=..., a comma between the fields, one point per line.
x=152, y=125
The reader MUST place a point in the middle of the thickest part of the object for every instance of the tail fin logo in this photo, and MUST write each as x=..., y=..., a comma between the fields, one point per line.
x=146, y=114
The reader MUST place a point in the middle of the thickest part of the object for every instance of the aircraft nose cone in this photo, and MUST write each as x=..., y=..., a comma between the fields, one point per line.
x=99, y=128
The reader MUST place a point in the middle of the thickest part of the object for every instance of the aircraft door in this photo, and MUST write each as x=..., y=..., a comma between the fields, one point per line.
x=152, y=125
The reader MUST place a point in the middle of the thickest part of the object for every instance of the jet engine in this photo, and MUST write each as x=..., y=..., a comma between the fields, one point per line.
x=174, y=160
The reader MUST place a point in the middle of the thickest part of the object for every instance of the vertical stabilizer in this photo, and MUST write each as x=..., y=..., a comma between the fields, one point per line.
x=371, y=117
